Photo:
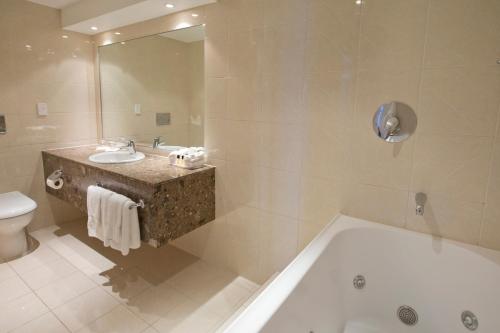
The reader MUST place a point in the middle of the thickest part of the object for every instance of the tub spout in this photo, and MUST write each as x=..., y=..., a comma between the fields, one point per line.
x=420, y=200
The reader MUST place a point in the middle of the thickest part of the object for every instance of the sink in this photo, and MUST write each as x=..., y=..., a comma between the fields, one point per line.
x=113, y=157
x=169, y=149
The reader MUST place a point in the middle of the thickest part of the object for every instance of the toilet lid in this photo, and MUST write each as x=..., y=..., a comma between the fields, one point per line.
x=14, y=204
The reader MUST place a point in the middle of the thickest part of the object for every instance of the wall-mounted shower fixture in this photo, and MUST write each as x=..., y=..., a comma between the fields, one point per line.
x=394, y=122
x=359, y=282
x=470, y=320
x=420, y=200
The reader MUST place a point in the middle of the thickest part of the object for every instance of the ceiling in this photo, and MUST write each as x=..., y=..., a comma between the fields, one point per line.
x=187, y=35
x=55, y=3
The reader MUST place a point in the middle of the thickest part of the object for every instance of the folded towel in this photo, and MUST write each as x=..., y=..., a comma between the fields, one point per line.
x=111, y=220
x=190, y=158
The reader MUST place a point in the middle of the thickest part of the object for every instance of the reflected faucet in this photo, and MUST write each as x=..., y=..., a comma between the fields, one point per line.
x=131, y=146
x=420, y=200
x=156, y=142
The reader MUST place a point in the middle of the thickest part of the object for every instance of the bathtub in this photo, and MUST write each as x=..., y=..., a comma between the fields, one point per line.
x=409, y=279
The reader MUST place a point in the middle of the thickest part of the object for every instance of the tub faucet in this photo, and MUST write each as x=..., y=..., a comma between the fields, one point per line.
x=420, y=200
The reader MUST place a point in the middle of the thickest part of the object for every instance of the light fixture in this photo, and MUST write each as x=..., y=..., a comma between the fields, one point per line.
x=194, y=15
x=94, y=28
x=359, y=2
x=169, y=5
x=65, y=36
x=118, y=33
x=123, y=43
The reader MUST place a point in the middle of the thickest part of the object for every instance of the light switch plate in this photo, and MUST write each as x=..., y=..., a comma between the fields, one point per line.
x=137, y=109
x=3, y=125
x=163, y=119
x=42, y=109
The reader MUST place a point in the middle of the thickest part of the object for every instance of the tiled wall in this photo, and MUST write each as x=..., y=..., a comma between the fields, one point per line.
x=291, y=90
x=161, y=75
x=38, y=65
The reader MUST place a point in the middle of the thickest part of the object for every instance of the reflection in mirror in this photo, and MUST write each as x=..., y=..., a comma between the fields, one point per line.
x=154, y=87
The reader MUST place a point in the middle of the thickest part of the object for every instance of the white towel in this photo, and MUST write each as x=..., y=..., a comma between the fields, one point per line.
x=111, y=220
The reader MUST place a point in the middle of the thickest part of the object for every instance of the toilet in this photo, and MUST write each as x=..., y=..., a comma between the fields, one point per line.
x=16, y=212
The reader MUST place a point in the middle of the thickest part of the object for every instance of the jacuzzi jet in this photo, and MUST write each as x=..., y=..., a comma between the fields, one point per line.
x=359, y=282
x=407, y=315
x=470, y=320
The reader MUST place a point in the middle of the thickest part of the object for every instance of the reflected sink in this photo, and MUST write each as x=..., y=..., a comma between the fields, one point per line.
x=169, y=149
x=114, y=157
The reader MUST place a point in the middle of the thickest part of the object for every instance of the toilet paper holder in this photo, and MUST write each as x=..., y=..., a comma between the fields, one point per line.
x=55, y=180
x=56, y=175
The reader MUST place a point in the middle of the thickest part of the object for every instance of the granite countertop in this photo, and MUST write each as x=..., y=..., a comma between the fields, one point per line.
x=154, y=169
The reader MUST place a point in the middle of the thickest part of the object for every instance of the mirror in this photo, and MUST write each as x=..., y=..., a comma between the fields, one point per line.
x=154, y=87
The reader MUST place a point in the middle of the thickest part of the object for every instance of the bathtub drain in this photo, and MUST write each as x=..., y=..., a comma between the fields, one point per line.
x=407, y=315
x=470, y=320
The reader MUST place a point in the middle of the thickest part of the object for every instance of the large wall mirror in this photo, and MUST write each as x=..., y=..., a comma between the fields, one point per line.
x=154, y=87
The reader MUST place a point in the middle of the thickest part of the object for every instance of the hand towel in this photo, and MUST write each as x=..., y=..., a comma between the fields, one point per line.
x=111, y=220
x=94, y=195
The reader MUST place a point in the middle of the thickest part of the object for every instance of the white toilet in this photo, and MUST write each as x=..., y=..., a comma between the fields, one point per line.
x=16, y=212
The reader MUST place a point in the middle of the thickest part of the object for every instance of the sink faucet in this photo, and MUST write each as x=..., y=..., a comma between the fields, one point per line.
x=156, y=142
x=131, y=146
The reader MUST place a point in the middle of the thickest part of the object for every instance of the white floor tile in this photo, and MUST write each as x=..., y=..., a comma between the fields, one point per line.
x=64, y=290
x=150, y=330
x=200, y=281
x=188, y=317
x=12, y=288
x=45, y=234
x=85, y=309
x=152, y=304
x=228, y=299
x=48, y=273
x=48, y=323
x=123, y=284
x=6, y=272
x=20, y=311
x=120, y=320
x=41, y=256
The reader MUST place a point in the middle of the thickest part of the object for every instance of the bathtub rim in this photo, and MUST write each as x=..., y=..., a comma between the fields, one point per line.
x=267, y=303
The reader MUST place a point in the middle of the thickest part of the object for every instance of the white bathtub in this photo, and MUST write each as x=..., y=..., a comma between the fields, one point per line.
x=438, y=278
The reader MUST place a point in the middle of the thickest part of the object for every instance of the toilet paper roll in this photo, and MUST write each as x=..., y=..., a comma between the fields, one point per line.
x=56, y=184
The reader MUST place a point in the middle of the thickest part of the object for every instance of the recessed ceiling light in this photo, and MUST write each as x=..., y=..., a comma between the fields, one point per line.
x=118, y=33
x=169, y=5
x=194, y=15
x=123, y=43
x=94, y=28
x=359, y=2
x=65, y=36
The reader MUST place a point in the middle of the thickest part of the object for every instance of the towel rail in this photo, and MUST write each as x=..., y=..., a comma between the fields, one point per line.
x=139, y=204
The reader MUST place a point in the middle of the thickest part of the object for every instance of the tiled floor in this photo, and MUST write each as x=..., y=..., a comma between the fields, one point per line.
x=71, y=283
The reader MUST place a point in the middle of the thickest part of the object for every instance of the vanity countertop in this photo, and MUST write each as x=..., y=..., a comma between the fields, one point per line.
x=154, y=169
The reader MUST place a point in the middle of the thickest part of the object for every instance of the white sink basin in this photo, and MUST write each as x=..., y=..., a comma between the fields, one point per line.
x=111, y=157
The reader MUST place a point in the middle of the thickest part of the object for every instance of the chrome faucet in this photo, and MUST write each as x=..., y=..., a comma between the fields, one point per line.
x=131, y=146
x=156, y=142
x=420, y=200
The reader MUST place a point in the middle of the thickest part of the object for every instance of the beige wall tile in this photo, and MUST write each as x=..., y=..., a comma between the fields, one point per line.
x=447, y=217
x=456, y=167
x=462, y=32
x=38, y=65
x=490, y=233
x=392, y=34
x=379, y=204
x=459, y=101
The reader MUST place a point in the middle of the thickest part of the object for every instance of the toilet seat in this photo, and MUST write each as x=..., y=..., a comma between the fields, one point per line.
x=13, y=204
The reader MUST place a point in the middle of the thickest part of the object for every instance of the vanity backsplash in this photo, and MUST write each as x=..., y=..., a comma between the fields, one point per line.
x=176, y=201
